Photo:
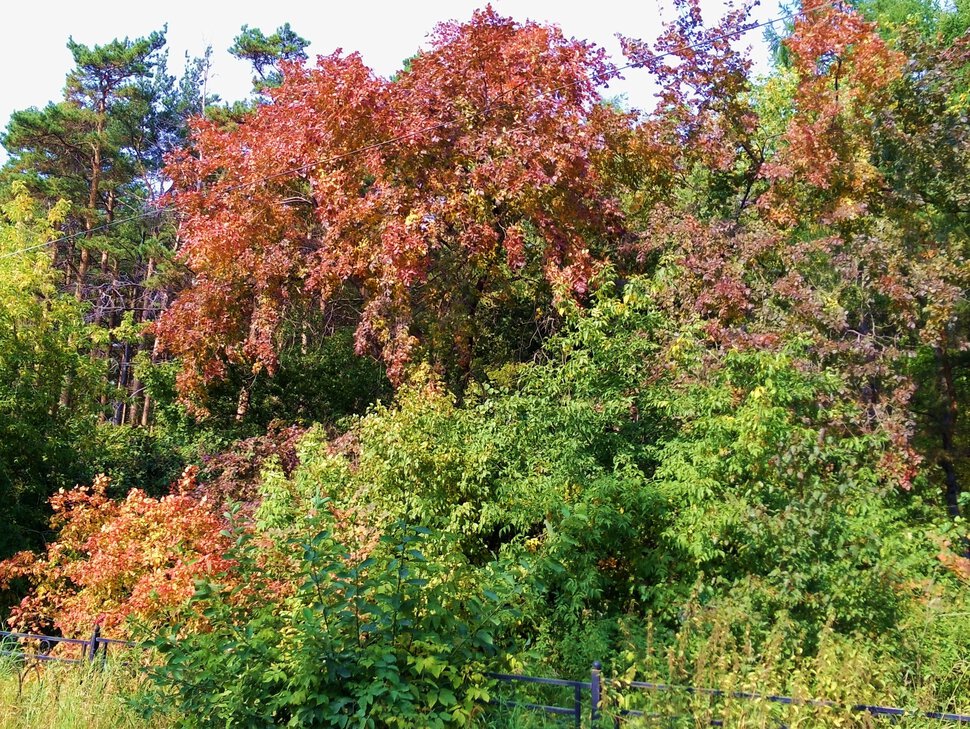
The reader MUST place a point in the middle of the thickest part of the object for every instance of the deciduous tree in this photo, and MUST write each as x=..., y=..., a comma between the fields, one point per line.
x=470, y=183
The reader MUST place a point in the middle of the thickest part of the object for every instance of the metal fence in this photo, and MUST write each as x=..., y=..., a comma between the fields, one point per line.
x=39, y=648
x=596, y=684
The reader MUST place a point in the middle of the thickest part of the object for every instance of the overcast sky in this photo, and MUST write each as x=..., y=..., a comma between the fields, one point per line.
x=33, y=35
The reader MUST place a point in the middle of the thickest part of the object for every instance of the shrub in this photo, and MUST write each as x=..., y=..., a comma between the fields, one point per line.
x=118, y=559
x=398, y=634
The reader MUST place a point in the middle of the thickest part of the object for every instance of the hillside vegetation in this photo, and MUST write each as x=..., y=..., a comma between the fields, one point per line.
x=341, y=397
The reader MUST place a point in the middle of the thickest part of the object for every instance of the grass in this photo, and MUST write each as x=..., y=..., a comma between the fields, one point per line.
x=61, y=696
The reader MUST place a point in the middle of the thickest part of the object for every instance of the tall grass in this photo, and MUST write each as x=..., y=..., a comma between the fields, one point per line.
x=842, y=671
x=62, y=696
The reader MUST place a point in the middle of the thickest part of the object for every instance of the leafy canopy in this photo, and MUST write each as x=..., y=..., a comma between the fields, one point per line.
x=469, y=184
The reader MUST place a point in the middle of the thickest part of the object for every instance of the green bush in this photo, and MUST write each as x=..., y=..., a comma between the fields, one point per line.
x=401, y=637
x=634, y=462
x=320, y=379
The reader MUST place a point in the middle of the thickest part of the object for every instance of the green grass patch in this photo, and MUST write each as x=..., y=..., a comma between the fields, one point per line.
x=63, y=696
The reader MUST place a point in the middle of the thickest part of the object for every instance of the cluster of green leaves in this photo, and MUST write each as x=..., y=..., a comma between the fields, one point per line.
x=401, y=635
x=633, y=463
x=43, y=344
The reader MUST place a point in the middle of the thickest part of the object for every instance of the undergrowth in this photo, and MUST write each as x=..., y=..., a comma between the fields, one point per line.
x=58, y=696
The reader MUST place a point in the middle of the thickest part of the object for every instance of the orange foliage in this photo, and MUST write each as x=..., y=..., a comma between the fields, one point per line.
x=136, y=561
x=420, y=197
x=957, y=564
x=844, y=70
x=114, y=560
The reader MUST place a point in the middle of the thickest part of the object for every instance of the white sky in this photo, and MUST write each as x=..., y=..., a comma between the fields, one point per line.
x=34, y=33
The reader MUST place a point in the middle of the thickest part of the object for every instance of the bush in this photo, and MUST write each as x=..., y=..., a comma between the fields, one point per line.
x=114, y=560
x=636, y=461
x=397, y=633
x=717, y=649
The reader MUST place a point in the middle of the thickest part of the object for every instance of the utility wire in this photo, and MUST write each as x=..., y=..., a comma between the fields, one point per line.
x=96, y=229
x=401, y=137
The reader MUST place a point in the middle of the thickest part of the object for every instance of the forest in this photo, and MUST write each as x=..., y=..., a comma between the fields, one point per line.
x=341, y=398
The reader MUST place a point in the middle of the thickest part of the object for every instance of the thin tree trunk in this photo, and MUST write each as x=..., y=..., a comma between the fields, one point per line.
x=147, y=406
x=82, y=271
x=242, y=406
x=134, y=398
x=138, y=397
x=947, y=421
x=124, y=377
x=146, y=409
x=110, y=215
x=90, y=219
x=64, y=401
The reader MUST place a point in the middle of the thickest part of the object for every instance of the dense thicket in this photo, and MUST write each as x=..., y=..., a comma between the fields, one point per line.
x=468, y=369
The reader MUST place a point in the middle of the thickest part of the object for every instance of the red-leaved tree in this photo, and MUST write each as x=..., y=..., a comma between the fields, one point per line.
x=428, y=200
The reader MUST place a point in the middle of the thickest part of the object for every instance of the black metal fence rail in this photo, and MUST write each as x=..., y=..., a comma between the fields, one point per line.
x=595, y=687
x=873, y=709
x=12, y=645
x=575, y=711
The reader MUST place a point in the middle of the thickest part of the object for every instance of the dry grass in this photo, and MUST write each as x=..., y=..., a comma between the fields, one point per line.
x=71, y=697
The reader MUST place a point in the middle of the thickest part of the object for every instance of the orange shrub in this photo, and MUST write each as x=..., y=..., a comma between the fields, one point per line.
x=113, y=560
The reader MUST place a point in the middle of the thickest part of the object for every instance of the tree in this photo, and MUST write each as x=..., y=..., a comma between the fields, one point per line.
x=43, y=346
x=823, y=169
x=927, y=199
x=855, y=232
x=98, y=85
x=470, y=186
x=102, y=149
x=704, y=141
x=266, y=54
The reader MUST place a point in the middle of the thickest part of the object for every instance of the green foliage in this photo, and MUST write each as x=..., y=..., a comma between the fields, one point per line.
x=633, y=463
x=106, y=131
x=102, y=70
x=722, y=648
x=398, y=634
x=43, y=367
x=779, y=496
x=265, y=53
x=134, y=457
x=320, y=380
x=892, y=14
x=715, y=650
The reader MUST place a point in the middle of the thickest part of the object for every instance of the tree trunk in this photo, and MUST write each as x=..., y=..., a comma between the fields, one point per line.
x=64, y=401
x=147, y=406
x=146, y=409
x=124, y=377
x=91, y=218
x=82, y=271
x=947, y=422
x=242, y=406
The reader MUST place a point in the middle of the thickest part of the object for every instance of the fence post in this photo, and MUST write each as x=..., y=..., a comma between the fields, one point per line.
x=93, y=643
x=594, y=690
